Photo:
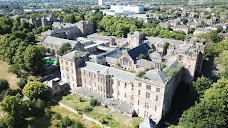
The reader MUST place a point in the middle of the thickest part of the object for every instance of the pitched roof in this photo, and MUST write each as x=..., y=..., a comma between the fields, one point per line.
x=155, y=55
x=141, y=49
x=144, y=63
x=105, y=70
x=156, y=75
x=59, y=41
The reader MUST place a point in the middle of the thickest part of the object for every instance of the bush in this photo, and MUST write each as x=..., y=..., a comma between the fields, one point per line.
x=93, y=102
x=22, y=82
x=103, y=120
x=47, y=112
x=3, y=84
x=66, y=121
x=78, y=124
x=57, y=116
x=80, y=99
x=87, y=109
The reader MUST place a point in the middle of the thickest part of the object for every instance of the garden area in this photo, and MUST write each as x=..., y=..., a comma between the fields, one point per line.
x=104, y=115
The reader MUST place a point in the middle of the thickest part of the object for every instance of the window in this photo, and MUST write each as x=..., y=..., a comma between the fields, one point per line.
x=156, y=98
x=157, y=89
x=71, y=64
x=148, y=87
x=125, y=95
x=72, y=71
x=84, y=72
x=155, y=108
x=139, y=92
x=138, y=102
x=140, y=84
x=132, y=97
x=67, y=68
x=94, y=76
x=147, y=95
x=118, y=83
x=61, y=61
x=68, y=77
x=118, y=93
x=125, y=85
x=146, y=105
x=62, y=68
x=66, y=63
x=137, y=66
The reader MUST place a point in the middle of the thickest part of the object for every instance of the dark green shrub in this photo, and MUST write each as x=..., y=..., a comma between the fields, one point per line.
x=93, y=102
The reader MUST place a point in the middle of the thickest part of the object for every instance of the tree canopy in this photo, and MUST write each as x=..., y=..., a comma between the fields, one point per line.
x=65, y=48
x=201, y=85
x=35, y=89
x=211, y=111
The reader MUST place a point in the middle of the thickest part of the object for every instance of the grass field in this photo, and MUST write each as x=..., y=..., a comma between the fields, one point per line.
x=117, y=119
x=11, y=78
x=45, y=122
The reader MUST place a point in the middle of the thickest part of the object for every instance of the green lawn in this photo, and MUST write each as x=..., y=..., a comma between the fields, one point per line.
x=45, y=122
x=11, y=78
x=112, y=118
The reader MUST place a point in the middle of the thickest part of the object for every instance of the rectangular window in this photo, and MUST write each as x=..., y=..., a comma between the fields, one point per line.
x=71, y=64
x=147, y=95
x=72, y=71
x=118, y=83
x=125, y=95
x=138, y=102
x=157, y=89
x=139, y=92
x=146, y=105
x=148, y=87
x=132, y=97
x=125, y=85
x=118, y=93
x=67, y=68
x=155, y=108
x=66, y=63
x=156, y=97
x=140, y=84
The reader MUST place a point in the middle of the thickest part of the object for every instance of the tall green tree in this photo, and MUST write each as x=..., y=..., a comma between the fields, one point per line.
x=201, y=85
x=65, y=48
x=211, y=111
x=33, y=59
x=35, y=89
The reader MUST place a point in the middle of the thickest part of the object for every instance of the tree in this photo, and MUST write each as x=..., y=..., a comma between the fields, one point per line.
x=3, y=85
x=22, y=82
x=222, y=61
x=141, y=56
x=35, y=89
x=33, y=59
x=65, y=48
x=201, y=85
x=14, y=107
x=211, y=111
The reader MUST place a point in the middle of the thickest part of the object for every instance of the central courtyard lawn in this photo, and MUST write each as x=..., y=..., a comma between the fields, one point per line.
x=108, y=116
x=11, y=78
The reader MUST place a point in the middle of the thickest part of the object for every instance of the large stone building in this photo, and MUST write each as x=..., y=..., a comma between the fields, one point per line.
x=70, y=31
x=134, y=86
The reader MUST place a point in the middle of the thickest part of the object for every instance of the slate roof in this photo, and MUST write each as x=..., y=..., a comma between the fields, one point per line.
x=105, y=70
x=144, y=63
x=156, y=75
x=155, y=55
x=72, y=54
x=163, y=41
x=141, y=49
x=59, y=41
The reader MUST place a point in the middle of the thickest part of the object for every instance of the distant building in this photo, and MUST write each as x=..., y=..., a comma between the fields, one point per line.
x=125, y=10
x=100, y=2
